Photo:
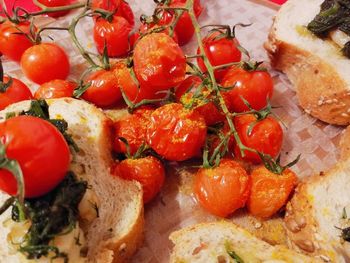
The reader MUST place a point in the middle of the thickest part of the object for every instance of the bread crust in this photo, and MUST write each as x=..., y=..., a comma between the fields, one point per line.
x=321, y=91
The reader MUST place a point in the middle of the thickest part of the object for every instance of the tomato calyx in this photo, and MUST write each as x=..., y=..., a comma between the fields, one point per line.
x=274, y=165
x=252, y=66
x=4, y=86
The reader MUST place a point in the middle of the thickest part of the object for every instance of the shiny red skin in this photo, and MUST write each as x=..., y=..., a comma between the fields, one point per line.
x=209, y=111
x=197, y=6
x=56, y=3
x=12, y=44
x=148, y=171
x=122, y=7
x=219, y=52
x=104, y=90
x=114, y=34
x=133, y=128
x=256, y=87
x=56, y=88
x=159, y=62
x=44, y=62
x=176, y=133
x=266, y=137
x=18, y=91
x=41, y=152
x=223, y=189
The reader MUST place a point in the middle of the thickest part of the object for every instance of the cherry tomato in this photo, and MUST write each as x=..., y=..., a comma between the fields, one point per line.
x=133, y=128
x=270, y=191
x=104, y=90
x=256, y=87
x=149, y=171
x=266, y=136
x=176, y=133
x=17, y=91
x=109, y=5
x=120, y=7
x=44, y=62
x=223, y=189
x=12, y=42
x=115, y=35
x=41, y=152
x=159, y=62
x=56, y=3
x=209, y=111
x=197, y=7
x=56, y=88
x=219, y=52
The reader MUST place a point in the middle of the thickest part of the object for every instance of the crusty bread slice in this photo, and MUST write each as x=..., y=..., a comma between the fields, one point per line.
x=210, y=243
x=118, y=231
x=314, y=216
x=316, y=67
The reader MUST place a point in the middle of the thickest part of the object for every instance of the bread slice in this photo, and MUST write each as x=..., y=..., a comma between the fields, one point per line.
x=210, y=243
x=117, y=232
x=319, y=210
x=316, y=67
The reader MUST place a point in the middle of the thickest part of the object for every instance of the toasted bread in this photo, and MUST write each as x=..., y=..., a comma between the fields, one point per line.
x=212, y=242
x=315, y=66
x=116, y=233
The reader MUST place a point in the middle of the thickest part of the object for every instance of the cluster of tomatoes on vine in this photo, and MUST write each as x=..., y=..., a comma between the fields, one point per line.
x=214, y=110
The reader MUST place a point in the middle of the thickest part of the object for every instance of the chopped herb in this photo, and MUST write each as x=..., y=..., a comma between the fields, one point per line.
x=345, y=234
x=233, y=254
x=10, y=115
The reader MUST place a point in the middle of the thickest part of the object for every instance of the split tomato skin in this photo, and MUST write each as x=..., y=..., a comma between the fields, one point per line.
x=18, y=91
x=159, y=62
x=44, y=62
x=219, y=52
x=270, y=191
x=176, y=133
x=266, y=136
x=223, y=189
x=41, y=151
x=133, y=128
x=149, y=171
x=256, y=87
x=114, y=34
x=54, y=89
x=12, y=42
x=104, y=90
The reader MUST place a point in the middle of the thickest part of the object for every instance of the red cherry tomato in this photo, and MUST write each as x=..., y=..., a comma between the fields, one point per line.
x=41, y=152
x=56, y=3
x=219, y=52
x=109, y=5
x=176, y=133
x=16, y=92
x=149, y=171
x=270, y=192
x=12, y=42
x=266, y=136
x=44, y=62
x=115, y=35
x=209, y=111
x=104, y=90
x=223, y=189
x=120, y=7
x=159, y=62
x=256, y=87
x=133, y=128
x=57, y=88
x=197, y=7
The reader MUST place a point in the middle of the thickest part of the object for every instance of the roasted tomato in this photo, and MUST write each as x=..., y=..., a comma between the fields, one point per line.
x=41, y=152
x=149, y=171
x=15, y=92
x=220, y=51
x=256, y=87
x=132, y=128
x=114, y=34
x=44, y=62
x=159, y=62
x=57, y=88
x=184, y=94
x=223, y=189
x=270, y=191
x=12, y=42
x=197, y=7
x=266, y=136
x=56, y=3
x=120, y=7
x=104, y=90
x=176, y=133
